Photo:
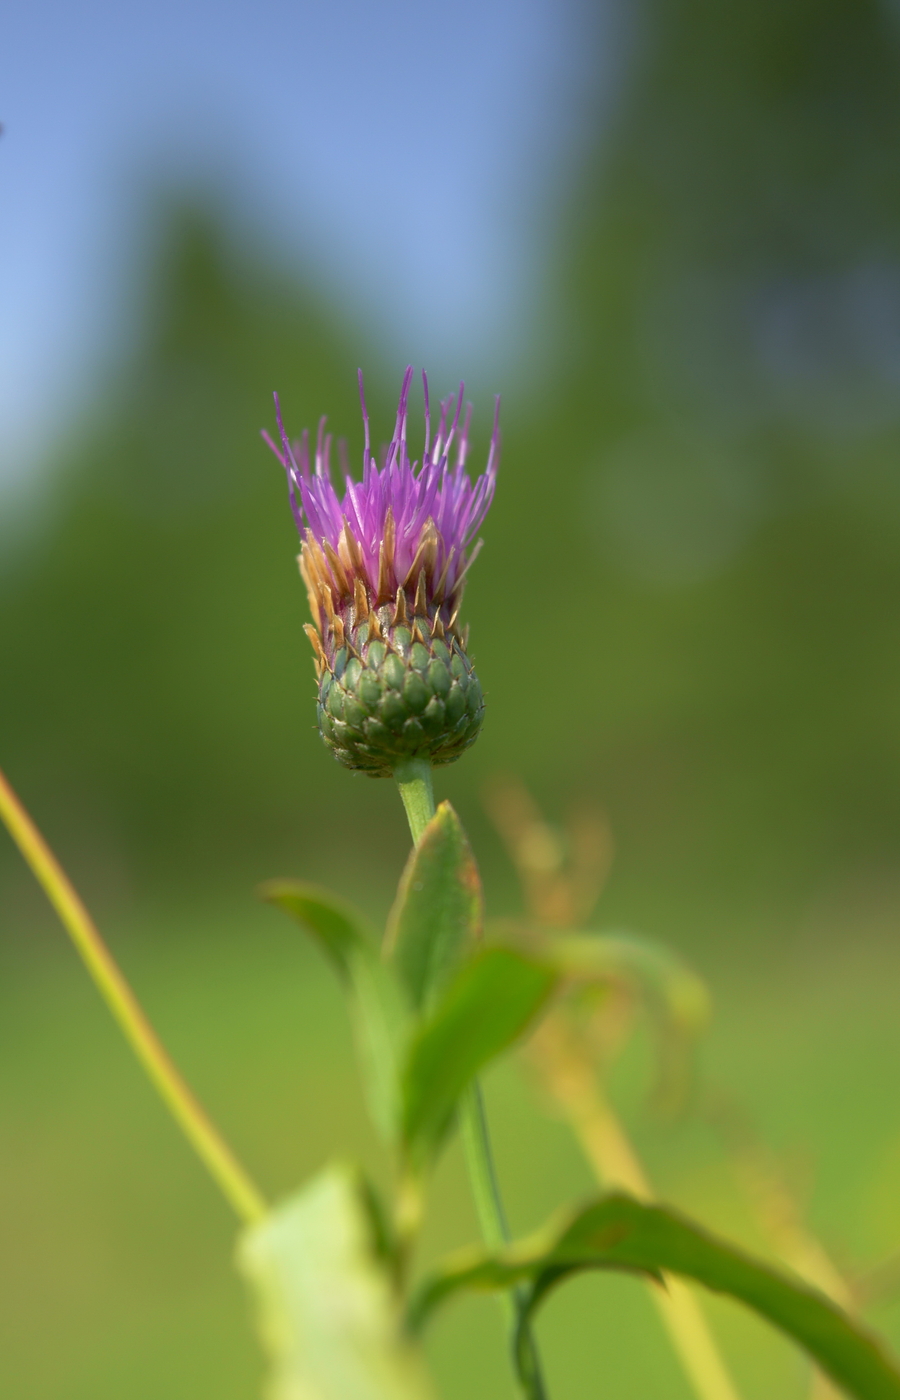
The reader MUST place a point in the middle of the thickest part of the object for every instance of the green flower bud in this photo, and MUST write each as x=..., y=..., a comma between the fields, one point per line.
x=398, y=690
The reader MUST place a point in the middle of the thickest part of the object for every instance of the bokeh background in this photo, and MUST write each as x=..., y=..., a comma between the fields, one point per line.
x=669, y=234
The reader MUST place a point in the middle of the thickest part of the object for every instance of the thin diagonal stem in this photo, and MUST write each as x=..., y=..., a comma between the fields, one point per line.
x=197, y=1127
x=413, y=778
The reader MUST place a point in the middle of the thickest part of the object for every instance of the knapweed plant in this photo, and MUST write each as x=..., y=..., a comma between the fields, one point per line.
x=340, y=1293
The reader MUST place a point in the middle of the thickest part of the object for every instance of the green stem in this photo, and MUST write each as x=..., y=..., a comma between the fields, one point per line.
x=492, y=1219
x=202, y=1134
x=480, y=1162
x=413, y=777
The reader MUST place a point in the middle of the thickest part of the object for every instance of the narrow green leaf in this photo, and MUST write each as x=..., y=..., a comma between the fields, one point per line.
x=382, y=1030
x=378, y=1012
x=491, y=1002
x=438, y=913
x=337, y=927
x=328, y=1311
x=618, y=1232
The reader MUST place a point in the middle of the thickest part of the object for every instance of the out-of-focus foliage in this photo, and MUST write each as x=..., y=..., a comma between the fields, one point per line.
x=328, y=1313
x=719, y=552
x=157, y=677
x=687, y=599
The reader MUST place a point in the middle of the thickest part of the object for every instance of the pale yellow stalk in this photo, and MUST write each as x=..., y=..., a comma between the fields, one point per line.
x=203, y=1136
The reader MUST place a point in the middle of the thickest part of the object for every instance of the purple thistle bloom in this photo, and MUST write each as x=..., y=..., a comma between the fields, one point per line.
x=385, y=566
x=401, y=516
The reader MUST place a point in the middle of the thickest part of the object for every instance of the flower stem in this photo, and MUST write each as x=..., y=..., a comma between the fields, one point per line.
x=492, y=1219
x=413, y=778
x=203, y=1136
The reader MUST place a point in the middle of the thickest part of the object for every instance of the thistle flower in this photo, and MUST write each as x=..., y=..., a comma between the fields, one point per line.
x=385, y=568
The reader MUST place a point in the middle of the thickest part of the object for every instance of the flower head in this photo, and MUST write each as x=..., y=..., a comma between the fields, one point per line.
x=385, y=565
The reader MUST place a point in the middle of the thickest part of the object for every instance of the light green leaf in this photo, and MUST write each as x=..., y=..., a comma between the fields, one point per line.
x=337, y=927
x=492, y=1001
x=378, y=1011
x=618, y=1232
x=328, y=1312
x=438, y=913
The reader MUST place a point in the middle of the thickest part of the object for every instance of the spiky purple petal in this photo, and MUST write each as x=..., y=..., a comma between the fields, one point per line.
x=414, y=493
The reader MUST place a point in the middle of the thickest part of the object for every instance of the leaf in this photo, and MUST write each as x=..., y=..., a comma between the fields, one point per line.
x=328, y=1312
x=338, y=928
x=491, y=1002
x=379, y=1016
x=618, y=1232
x=438, y=913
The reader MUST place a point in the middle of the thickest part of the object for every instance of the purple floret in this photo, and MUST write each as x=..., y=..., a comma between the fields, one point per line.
x=413, y=494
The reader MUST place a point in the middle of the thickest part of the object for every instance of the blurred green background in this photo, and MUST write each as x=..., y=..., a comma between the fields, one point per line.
x=687, y=610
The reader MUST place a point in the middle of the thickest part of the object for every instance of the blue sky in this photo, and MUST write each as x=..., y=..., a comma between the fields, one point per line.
x=410, y=156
